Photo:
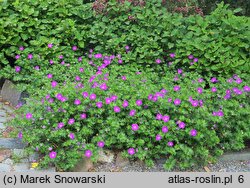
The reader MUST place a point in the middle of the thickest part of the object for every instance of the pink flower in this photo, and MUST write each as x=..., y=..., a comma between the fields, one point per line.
x=195, y=60
x=134, y=127
x=71, y=136
x=170, y=144
x=85, y=94
x=77, y=102
x=193, y=132
x=123, y=77
x=92, y=96
x=17, y=56
x=108, y=100
x=30, y=56
x=172, y=55
x=60, y=56
x=81, y=69
x=74, y=48
x=17, y=68
x=169, y=100
x=165, y=118
x=28, y=116
x=199, y=90
x=88, y=153
x=49, y=76
x=100, y=144
x=213, y=89
x=158, y=61
x=103, y=86
x=60, y=125
x=50, y=45
x=99, y=104
x=158, y=116
x=71, y=121
x=177, y=102
x=125, y=104
x=190, y=57
x=195, y=103
x=21, y=48
x=182, y=125
x=158, y=137
x=164, y=129
x=138, y=102
x=83, y=116
x=97, y=56
x=177, y=88
x=246, y=88
x=214, y=79
x=131, y=151
x=132, y=112
x=113, y=98
x=117, y=109
x=20, y=135
x=77, y=78
x=52, y=154
x=53, y=83
x=179, y=71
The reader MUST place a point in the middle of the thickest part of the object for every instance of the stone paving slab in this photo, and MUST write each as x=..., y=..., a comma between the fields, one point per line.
x=5, y=167
x=11, y=143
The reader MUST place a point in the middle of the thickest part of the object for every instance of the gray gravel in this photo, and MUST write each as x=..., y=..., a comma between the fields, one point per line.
x=135, y=166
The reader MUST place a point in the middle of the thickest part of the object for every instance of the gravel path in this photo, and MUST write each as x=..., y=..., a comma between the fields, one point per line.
x=220, y=166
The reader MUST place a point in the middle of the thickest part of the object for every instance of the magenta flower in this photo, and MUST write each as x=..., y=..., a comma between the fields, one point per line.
x=195, y=103
x=138, y=102
x=114, y=98
x=172, y=55
x=150, y=97
x=193, y=132
x=53, y=83
x=195, y=60
x=17, y=56
x=77, y=78
x=100, y=144
x=85, y=94
x=60, y=56
x=125, y=104
x=199, y=90
x=169, y=100
x=30, y=56
x=200, y=80
x=182, y=125
x=99, y=104
x=177, y=102
x=77, y=102
x=74, y=48
x=52, y=154
x=155, y=98
x=213, y=89
x=238, y=81
x=134, y=127
x=246, y=88
x=177, y=88
x=164, y=129
x=49, y=76
x=28, y=116
x=190, y=57
x=79, y=59
x=214, y=79
x=59, y=96
x=71, y=121
x=92, y=96
x=117, y=109
x=158, y=137
x=158, y=61
x=123, y=77
x=127, y=47
x=17, y=68
x=165, y=118
x=158, y=116
x=50, y=45
x=164, y=91
x=132, y=112
x=97, y=56
x=179, y=71
x=60, y=125
x=220, y=113
x=88, y=153
x=81, y=69
x=21, y=48
x=71, y=136
x=131, y=151
x=108, y=100
x=120, y=61
x=83, y=116
x=170, y=144
x=20, y=135
x=104, y=86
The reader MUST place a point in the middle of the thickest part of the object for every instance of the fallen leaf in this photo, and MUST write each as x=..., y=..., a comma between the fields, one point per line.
x=207, y=169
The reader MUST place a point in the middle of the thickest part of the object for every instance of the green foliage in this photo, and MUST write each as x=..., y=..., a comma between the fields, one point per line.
x=215, y=134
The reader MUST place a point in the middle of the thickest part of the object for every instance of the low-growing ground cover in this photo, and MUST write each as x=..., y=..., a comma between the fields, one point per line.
x=86, y=104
